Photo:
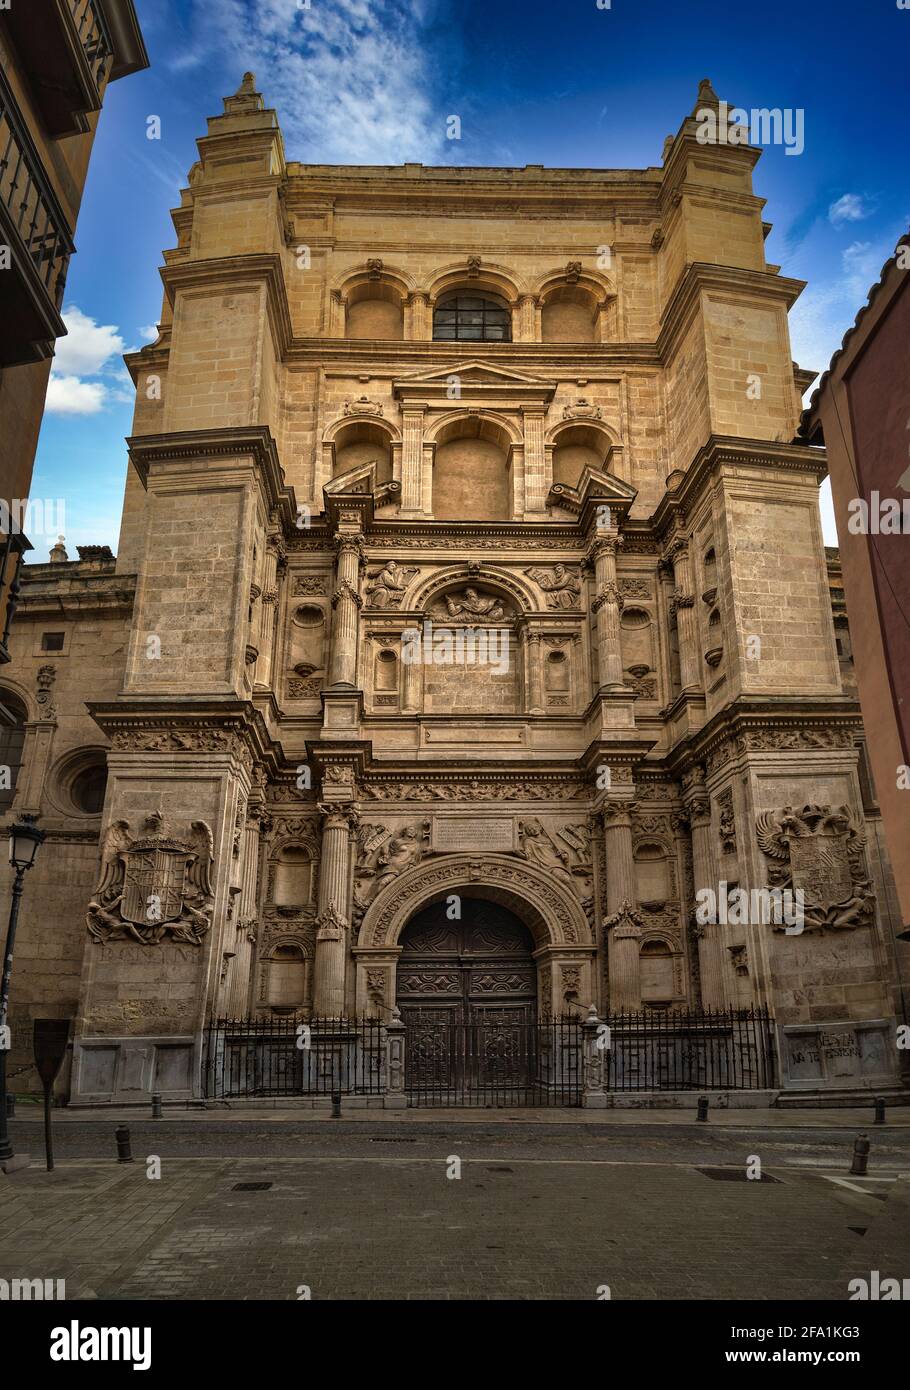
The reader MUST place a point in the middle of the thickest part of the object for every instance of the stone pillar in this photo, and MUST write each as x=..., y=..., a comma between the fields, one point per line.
x=336, y=314
x=412, y=499
x=682, y=604
x=536, y=483
x=527, y=319
x=395, y=1063
x=534, y=666
x=623, y=923
x=710, y=944
x=418, y=318
x=268, y=602
x=347, y=604
x=332, y=922
x=607, y=605
x=411, y=677
x=245, y=913
x=596, y=1044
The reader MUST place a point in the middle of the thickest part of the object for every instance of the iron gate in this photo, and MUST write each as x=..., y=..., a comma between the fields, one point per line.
x=688, y=1050
x=284, y=1057
x=493, y=1057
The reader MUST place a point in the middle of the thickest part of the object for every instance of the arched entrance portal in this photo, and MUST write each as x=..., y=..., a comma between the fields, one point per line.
x=478, y=966
x=467, y=991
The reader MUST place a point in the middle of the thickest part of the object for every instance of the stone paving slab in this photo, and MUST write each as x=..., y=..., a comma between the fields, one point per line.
x=396, y=1227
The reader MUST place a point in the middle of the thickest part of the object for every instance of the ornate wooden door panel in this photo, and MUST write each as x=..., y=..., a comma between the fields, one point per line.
x=467, y=991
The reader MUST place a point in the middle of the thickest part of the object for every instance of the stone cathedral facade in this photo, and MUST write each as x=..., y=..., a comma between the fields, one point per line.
x=466, y=557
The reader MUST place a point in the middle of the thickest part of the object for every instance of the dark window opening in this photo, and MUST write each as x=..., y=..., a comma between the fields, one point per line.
x=52, y=641
x=471, y=318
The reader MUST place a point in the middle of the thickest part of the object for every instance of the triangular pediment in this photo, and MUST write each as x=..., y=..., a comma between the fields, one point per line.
x=475, y=374
x=594, y=488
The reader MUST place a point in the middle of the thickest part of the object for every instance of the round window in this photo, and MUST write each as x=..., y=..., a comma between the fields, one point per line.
x=87, y=790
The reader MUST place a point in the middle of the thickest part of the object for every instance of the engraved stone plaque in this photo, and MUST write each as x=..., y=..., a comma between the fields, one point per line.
x=452, y=834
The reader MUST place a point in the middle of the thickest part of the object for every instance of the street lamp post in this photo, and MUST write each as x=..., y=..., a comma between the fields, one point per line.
x=24, y=839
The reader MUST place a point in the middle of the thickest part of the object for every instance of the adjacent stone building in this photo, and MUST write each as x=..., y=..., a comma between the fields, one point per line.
x=470, y=616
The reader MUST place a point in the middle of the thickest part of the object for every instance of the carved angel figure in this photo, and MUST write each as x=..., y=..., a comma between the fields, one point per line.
x=388, y=584
x=537, y=847
x=563, y=588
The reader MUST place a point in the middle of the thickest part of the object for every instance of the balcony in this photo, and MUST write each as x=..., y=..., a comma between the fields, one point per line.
x=66, y=51
x=33, y=226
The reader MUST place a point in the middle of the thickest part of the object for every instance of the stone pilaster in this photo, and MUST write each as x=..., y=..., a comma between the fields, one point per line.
x=237, y=996
x=534, y=668
x=347, y=603
x=332, y=923
x=607, y=606
x=536, y=482
x=412, y=500
x=525, y=319
x=710, y=944
x=268, y=603
x=682, y=605
x=417, y=317
x=623, y=924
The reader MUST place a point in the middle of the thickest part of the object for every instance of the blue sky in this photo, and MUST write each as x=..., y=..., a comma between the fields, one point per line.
x=563, y=84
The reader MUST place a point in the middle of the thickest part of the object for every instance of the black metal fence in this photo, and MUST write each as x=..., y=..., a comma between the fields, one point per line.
x=287, y=1057
x=684, y=1050
x=491, y=1059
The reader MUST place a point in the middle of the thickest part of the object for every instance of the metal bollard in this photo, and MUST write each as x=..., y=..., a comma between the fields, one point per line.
x=156, y=1107
x=860, y=1155
x=124, y=1151
x=879, y=1103
x=336, y=1105
x=702, y=1108
x=10, y=1106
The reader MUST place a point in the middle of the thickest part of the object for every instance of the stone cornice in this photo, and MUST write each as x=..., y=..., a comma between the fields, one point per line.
x=255, y=440
x=768, y=724
x=233, y=271
x=700, y=275
x=175, y=725
x=721, y=450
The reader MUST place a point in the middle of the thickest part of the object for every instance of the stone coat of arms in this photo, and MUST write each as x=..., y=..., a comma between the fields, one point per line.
x=819, y=850
x=154, y=885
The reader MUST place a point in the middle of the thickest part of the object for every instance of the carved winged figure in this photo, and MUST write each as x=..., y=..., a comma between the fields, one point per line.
x=562, y=587
x=116, y=842
x=387, y=585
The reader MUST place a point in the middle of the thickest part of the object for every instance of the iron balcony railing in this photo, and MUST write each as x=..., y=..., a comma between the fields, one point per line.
x=29, y=202
x=91, y=26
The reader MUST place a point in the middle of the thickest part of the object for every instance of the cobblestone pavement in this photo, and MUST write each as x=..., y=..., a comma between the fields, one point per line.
x=374, y=1216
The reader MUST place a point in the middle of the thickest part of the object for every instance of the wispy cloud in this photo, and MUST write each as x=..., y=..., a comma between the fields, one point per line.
x=851, y=207
x=352, y=82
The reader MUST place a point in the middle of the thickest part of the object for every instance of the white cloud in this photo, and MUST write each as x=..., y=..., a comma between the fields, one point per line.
x=149, y=332
x=351, y=82
x=88, y=345
x=852, y=207
x=67, y=395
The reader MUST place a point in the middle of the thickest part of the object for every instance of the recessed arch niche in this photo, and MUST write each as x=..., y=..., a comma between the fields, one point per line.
x=569, y=315
x=578, y=446
x=472, y=471
x=374, y=309
x=360, y=442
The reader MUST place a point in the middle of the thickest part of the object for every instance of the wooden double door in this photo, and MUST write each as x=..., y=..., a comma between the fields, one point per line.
x=467, y=990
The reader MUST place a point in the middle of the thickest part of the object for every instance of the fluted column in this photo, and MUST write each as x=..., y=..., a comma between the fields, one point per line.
x=536, y=485
x=534, y=669
x=527, y=318
x=347, y=604
x=410, y=688
x=418, y=318
x=623, y=924
x=708, y=934
x=412, y=499
x=682, y=604
x=607, y=606
x=332, y=921
x=336, y=314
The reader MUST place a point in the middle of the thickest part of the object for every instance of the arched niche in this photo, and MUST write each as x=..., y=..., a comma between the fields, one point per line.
x=636, y=639
x=579, y=445
x=568, y=314
x=659, y=973
x=286, y=977
x=360, y=441
x=472, y=470
x=374, y=309
x=654, y=879
x=292, y=876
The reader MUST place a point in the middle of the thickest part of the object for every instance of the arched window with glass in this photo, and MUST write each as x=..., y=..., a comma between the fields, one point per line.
x=471, y=318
